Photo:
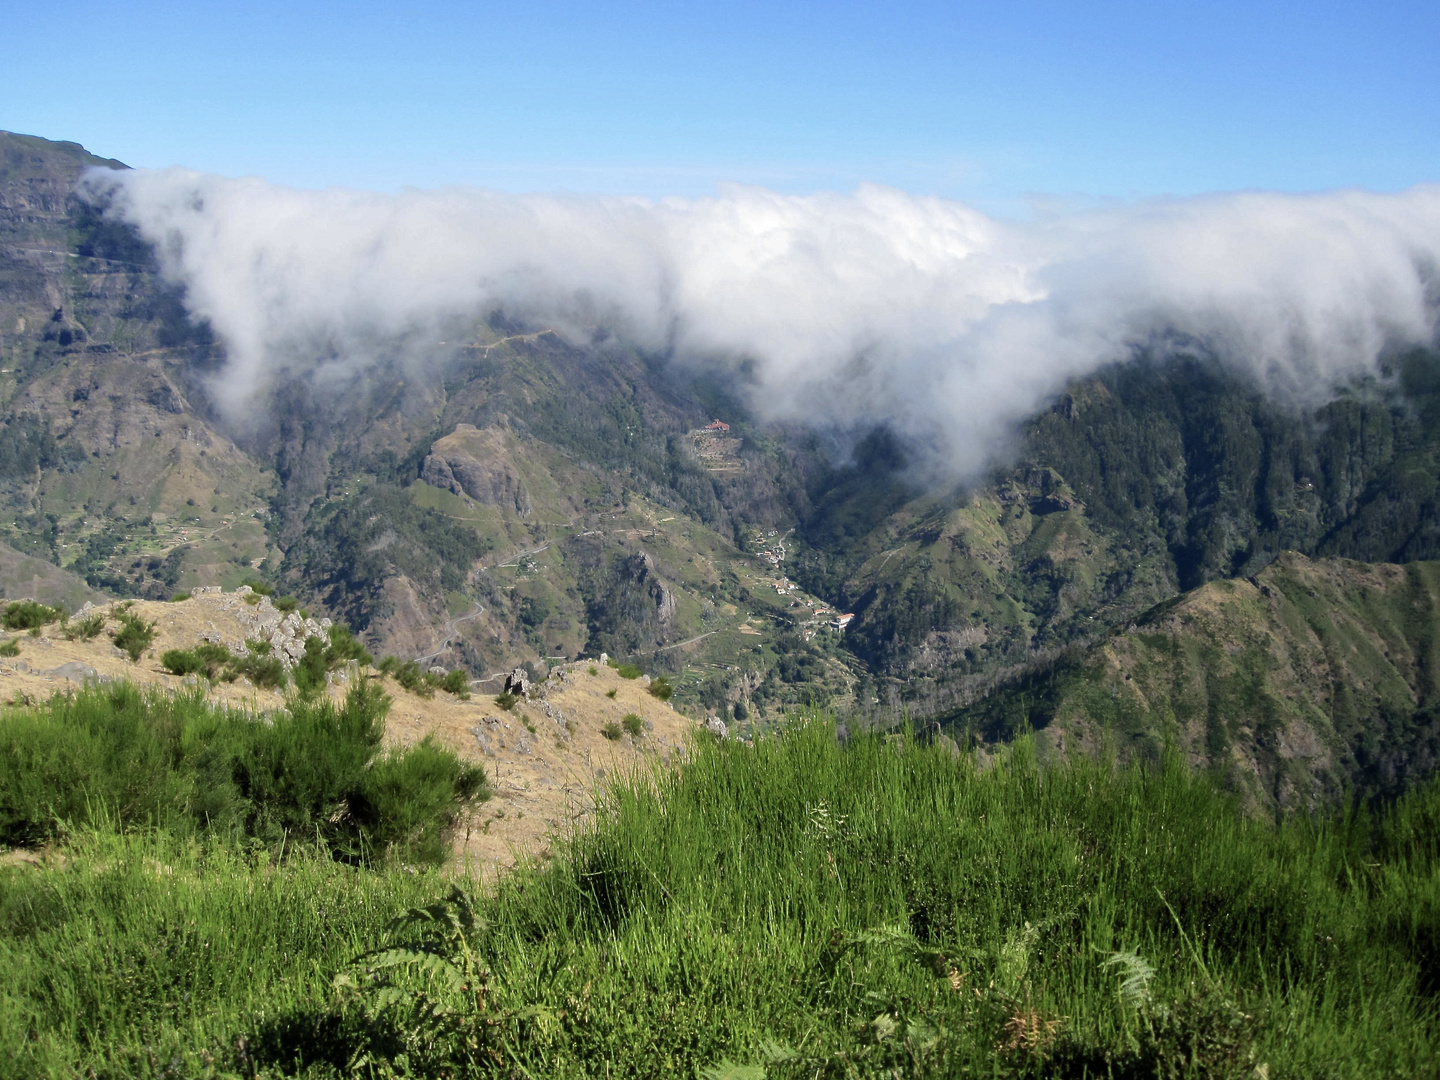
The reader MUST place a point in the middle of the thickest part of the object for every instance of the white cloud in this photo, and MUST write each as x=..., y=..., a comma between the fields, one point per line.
x=853, y=308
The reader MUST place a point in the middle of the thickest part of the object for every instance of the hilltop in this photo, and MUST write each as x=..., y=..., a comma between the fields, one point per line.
x=547, y=756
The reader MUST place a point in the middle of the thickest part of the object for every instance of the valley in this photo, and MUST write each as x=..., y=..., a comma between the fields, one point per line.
x=675, y=740
x=507, y=496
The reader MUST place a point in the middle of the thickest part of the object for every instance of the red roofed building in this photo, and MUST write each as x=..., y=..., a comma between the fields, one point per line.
x=716, y=425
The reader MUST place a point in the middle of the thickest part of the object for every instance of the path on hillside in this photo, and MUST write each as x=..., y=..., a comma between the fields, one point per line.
x=450, y=633
x=682, y=644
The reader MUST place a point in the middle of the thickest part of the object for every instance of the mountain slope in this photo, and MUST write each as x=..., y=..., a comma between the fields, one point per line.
x=1306, y=680
x=510, y=496
x=1148, y=479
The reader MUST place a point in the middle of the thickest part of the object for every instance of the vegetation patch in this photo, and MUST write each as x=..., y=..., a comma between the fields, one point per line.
x=134, y=636
x=313, y=773
x=28, y=615
x=84, y=629
x=901, y=911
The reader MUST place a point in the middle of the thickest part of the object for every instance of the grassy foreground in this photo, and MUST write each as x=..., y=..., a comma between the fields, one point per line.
x=798, y=908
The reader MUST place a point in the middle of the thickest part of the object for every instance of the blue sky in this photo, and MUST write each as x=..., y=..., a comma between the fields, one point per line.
x=1006, y=105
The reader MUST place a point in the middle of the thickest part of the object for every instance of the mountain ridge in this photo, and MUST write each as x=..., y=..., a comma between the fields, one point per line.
x=565, y=492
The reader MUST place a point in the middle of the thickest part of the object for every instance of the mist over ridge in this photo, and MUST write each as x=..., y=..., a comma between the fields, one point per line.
x=877, y=306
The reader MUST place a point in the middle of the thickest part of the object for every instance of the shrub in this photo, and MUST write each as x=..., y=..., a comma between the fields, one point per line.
x=178, y=597
x=413, y=798
x=310, y=670
x=86, y=628
x=286, y=604
x=10, y=647
x=314, y=771
x=412, y=677
x=180, y=662
x=134, y=635
x=611, y=731
x=28, y=615
x=259, y=587
x=628, y=671
x=344, y=647
x=633, y=724
x=263, y=670
x=594, y=670
x=457, y=682
x=660, y=687
x=506, y=700
x=610, y=693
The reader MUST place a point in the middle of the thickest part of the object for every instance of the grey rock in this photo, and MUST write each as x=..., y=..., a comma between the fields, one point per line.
x=518, y=683
x=74, y=671
x=717, y=727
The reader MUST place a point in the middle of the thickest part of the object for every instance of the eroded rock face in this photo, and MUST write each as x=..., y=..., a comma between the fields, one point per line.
x=474, y=463
x=518, y=683
x=641, y=568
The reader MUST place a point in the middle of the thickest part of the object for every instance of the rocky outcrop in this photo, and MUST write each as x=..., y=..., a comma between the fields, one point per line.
x=473, y=463
x=641, y=569
x=285, y=632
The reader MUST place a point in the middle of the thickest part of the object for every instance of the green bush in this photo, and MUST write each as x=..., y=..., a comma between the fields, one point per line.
x=212, y=661
x=286, y=604
x=134, y=635
x=506, y=700
x=28, y=615
x=311, y=669
x=611, y=693
x=263, y=670
x=457, y=682
x=628, y=671
x=259, y=587
x=411, y=676
x=611, y=731
x=181, y=662
x=344, y=647
x=313, y=772
x=86, y=628
x=660, y=687
x=10, y=647
x=633, y=724
x=179, y=597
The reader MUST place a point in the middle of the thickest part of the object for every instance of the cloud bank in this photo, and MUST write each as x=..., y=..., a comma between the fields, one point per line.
x=852, y=309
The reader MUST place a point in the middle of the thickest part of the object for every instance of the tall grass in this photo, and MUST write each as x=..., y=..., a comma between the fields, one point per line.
x=143, y=954
x=795, y=908
x=885, y=908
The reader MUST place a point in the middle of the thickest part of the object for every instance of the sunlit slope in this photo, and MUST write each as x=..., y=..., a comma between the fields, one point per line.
x=1146, y=480
x=1306, y=680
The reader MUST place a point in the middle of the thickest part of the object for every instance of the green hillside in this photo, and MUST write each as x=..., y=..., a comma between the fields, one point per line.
x=516, y=497
x=1309, y=680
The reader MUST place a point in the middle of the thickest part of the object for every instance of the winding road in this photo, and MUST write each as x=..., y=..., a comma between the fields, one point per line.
x=450, y=633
